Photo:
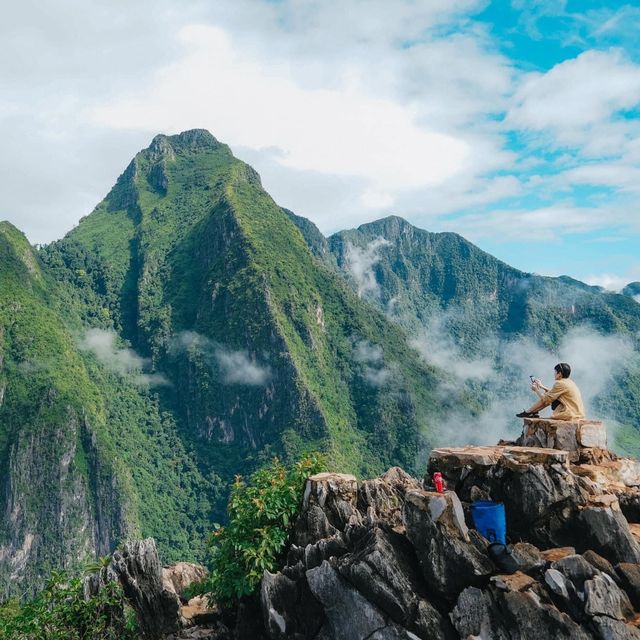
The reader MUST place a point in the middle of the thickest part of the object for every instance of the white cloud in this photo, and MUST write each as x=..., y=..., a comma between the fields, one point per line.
x=122, y=360
x=249, y=103
x=371, y=356
x=373, y=199
x=438, y=347
x=546, y=223
x=576, y=94
x=364, y=351
x=595, y=360
x=475, y=79
x=377, y=377
x=238, y=367
x=359, y=264
x=233, y=366
x=617, y=174
x=613, y=281
x=401, y=107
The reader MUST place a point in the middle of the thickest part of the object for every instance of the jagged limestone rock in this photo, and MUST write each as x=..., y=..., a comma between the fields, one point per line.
x=572, y=436
x=435, y=527
x=629, y=575
x=289, y=608
x=472, y=616
x=600, y=563
x=178, y=576
x=606, y=531
x=349, y=614
x=382, y=498
x=576, y=569
x=329, y=503
x=609, y=629
x=382, y=568
x=528, y=557
x=137, y=568
x=603, y=597
x=430, y=577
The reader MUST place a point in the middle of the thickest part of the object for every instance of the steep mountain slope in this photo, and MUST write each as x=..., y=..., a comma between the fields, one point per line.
x=46, y=418
x=420, y=272
x=474, y=306
x=78, y=448
x=266, y=349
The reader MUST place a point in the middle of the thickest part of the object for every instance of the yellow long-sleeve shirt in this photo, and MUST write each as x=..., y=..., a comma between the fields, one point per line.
x=567, y=393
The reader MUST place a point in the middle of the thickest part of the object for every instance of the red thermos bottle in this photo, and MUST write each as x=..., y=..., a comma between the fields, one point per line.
x=438, y=482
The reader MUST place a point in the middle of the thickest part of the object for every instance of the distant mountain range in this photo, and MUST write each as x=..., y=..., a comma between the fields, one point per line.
x=189, y=328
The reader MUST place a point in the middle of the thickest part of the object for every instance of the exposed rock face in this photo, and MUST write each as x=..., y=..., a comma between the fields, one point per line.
x=79, y=522
x=436, y=528
x=138, y=570
x=177, y=577
x=390, y=558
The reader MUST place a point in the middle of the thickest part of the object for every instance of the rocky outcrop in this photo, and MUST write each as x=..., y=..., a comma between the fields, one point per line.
x=391, y=558
x=156, y=593
x=178, y=576
x=137, y=568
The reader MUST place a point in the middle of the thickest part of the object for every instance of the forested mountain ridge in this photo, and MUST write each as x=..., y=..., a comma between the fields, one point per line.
x=197, y=267
x=441, y=286
x=86, y=457
x=189, y=328
x=194, y=336
x=417, y=272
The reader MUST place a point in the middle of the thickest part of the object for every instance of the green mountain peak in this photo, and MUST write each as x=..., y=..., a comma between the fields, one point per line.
x=17, y=257
x=188, y=242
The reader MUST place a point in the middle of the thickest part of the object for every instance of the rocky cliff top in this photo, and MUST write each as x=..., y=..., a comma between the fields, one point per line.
x=391, y=558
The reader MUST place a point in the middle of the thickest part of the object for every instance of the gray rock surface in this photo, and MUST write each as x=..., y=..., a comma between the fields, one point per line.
x=390, y=559
x=603, y=597
x=629, y=575
x=349, y=614
x=436, y=529
x=137, y=568
x=606, y=531
x=608, y=629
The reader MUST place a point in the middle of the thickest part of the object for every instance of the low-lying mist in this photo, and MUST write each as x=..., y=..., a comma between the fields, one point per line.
x=501, y=381
x=232, y=366
x=122, y=360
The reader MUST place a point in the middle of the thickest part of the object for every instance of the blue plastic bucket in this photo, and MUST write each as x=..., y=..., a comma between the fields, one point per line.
x=489, y=520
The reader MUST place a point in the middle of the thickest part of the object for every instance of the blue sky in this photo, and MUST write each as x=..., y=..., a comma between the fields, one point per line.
x=538, y=37
x=515, y=123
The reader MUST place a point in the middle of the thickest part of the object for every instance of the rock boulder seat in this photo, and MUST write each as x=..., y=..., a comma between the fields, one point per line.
x=583, y=439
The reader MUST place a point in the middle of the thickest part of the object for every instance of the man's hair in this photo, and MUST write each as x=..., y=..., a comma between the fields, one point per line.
x=563, y=369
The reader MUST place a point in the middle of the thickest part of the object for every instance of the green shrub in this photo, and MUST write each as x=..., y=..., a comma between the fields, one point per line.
x=261, y=514
x=60, y=612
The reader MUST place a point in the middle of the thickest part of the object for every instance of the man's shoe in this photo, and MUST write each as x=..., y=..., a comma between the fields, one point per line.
x=526, y=414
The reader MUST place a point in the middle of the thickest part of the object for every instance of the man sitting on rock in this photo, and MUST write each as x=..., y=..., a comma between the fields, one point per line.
x=564, y=397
